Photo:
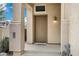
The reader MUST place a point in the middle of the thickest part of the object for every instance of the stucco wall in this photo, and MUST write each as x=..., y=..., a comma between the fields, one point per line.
x=53, y=28
x=52, y=10
x=4, y=32
x=1, y=34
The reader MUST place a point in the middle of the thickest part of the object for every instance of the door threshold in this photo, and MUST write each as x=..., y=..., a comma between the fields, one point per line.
x=40, y=43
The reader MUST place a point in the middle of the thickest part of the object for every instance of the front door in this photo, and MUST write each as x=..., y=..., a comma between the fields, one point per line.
x=41, y=29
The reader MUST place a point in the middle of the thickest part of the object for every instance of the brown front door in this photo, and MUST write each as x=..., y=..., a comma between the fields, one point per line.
x=41, y=29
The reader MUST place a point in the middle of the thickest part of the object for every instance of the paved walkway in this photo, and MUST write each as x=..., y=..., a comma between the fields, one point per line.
x=41, y=50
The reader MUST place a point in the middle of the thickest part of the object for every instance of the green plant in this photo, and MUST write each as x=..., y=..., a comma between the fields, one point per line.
x=2, y=15
x=66, y=52
x=2, y=11
x=5, y=45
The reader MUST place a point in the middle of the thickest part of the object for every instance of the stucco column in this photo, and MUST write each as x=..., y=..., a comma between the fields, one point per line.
x=72, y=15
x=64, y=26
x=29, y=23
x=74, y=29
x=17, y=30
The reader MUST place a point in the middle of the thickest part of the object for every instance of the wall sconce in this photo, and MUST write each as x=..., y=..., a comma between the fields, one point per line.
x=55, y=19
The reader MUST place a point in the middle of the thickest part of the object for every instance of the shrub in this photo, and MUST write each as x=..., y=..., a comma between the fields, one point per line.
x=4, y=45
x=66, y=52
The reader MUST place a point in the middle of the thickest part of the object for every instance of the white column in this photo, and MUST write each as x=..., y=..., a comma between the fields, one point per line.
x=17, y=30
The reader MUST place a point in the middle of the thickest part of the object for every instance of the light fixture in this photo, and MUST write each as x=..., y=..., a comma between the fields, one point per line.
x=55, y=19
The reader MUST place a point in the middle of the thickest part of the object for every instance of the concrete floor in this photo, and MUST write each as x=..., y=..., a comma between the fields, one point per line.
x=41, y=50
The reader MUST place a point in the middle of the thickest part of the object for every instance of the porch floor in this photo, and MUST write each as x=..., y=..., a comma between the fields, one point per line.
x=41, y=50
